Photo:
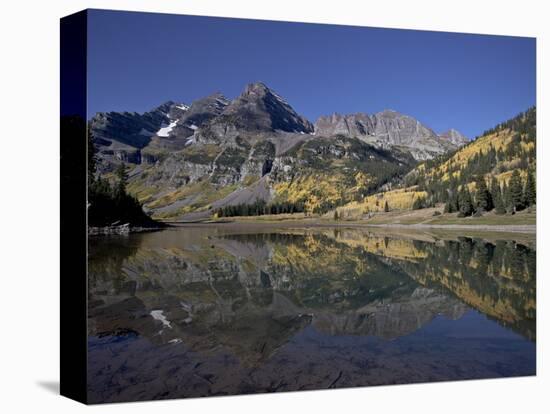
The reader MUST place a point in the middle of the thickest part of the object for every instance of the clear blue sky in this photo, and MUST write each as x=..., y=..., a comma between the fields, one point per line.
x=136, y=61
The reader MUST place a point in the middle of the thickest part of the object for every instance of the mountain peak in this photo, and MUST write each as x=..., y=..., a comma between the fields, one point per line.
x=261, y=108
x=455, y=137
x=217, y=96
x=256, y=87
x=166, y=104
x=261, y=90
x=391, y=114
x=169, y=109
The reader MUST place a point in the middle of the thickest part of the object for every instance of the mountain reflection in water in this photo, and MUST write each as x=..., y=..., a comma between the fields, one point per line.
x=199, y=311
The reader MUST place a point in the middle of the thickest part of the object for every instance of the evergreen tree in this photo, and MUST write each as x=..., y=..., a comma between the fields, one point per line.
x=530, y=192
x=419, y=203
x=496, y=194
x=507, y=199
x=122, y=175
x=335, y=214
x=495, y=187
x=483, y=197
x=386, y=207
x=452, y=203
x=516, y=191
x=466, y=207
x=499, y=203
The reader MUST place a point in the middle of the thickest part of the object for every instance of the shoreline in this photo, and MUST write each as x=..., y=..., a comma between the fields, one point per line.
x=511, y=228
x=123, y=229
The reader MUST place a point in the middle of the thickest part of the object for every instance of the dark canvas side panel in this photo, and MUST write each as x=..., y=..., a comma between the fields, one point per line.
x=73, y=32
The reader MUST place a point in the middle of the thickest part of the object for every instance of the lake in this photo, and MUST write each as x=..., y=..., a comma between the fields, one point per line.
x=234, y=309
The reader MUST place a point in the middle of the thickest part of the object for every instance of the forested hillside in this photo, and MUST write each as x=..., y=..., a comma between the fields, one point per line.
x=495, y=171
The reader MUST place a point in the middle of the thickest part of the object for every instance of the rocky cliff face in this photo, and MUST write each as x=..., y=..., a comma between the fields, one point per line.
x=390, y=129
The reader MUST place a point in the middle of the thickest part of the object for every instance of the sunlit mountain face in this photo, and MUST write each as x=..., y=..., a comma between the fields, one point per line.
x=204, y=310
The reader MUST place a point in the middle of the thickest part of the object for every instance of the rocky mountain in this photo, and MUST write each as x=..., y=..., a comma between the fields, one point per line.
x=179, y=129
x=259, y=108
x=120, y=136
x=189, y=161
x=454, y=137
x=390, y=129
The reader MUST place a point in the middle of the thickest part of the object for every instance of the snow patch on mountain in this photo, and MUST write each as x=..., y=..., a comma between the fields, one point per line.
x=165, y=131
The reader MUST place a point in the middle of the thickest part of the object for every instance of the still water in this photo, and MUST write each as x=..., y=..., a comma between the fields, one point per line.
x=218, y=310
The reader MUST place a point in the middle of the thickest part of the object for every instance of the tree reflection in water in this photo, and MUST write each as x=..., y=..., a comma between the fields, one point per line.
x=206, y=312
